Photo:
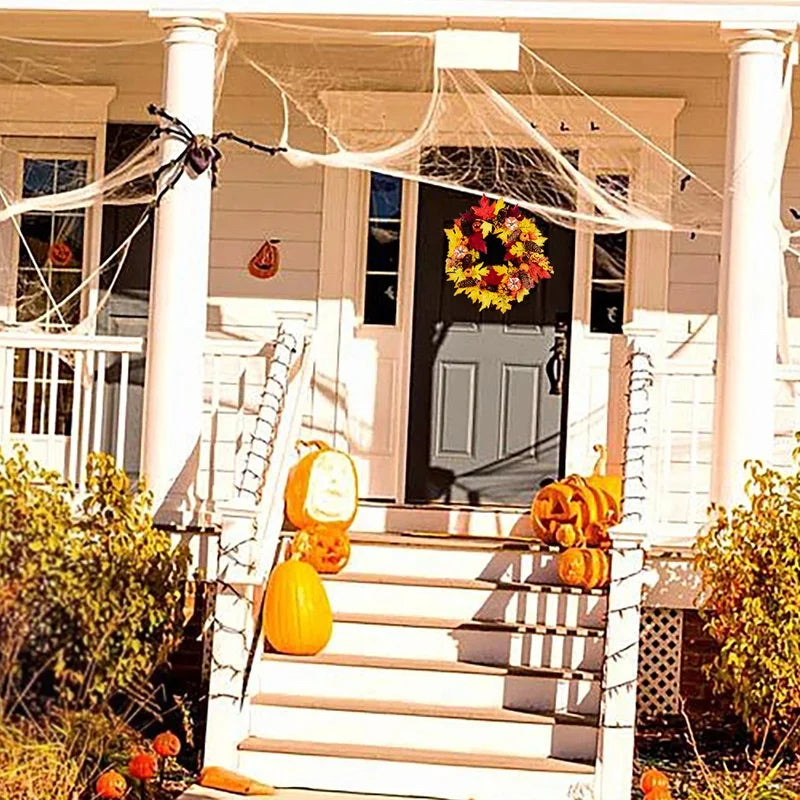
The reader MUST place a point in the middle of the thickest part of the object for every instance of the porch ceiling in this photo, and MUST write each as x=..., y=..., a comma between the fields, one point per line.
x=540, y=33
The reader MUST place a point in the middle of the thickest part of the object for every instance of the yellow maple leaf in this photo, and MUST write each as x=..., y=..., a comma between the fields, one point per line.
x=486, y=228
x=454, y=237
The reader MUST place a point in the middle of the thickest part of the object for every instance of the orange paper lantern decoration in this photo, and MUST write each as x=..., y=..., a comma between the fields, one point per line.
x=266, y=262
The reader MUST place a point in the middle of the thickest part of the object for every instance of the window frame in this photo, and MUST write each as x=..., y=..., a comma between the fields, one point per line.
x=91, y=218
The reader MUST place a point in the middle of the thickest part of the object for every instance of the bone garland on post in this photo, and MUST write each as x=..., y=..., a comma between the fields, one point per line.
x=495, y=254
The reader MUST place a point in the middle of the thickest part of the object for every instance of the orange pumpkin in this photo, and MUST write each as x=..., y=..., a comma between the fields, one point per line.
x=658, y=794
x=143, y=766
x=167, y=745
x=326, y=550
x=610, y=484
x=653, y=779
x=111, y=785
x=552, y=506
x=584, y=567
x=297, y=614
x=322, y=490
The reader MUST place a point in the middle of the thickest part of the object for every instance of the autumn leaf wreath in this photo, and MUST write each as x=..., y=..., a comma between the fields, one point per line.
x=495, y=254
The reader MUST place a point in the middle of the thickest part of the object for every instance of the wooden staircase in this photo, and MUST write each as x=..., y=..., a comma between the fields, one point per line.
x=458, y=668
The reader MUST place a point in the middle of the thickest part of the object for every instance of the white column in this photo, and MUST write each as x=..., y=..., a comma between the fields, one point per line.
x=747, y=336
x=173, y=394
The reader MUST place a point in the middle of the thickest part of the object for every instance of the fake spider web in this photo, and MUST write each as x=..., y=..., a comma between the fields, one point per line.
x=375, y=100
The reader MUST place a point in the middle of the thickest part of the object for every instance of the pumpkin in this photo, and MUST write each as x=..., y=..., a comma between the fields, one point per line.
x=297, y=614
x=653, y=779
x=610, y=484
x=584, y=567
x=551, y=507
x=143, y=766
x=167, y=745
x=110, y=784
x=322, y=490
x=568, y=535
x=658, y=794
x=326, y=550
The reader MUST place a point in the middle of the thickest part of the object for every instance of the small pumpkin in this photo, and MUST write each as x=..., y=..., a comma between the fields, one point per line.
x=584, y=567
x=167, y=744
x=658, y=794
x=653, y=779
x=328, y=551
x=111, y=785
x=143, y=766
x=297, y=613
x=322, y=490
x=569, y=535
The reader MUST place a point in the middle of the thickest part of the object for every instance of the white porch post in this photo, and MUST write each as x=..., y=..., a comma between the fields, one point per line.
x=173, y=393
x=747, y=335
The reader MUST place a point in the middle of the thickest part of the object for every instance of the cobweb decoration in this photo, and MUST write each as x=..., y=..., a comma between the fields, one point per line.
x=373, y=100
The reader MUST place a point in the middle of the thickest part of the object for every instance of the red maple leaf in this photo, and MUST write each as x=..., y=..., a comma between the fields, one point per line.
x=485, y=210
x=493, y=278
x=476, y=242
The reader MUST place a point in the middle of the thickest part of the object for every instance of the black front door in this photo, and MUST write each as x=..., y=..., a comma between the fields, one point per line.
x=486, y=425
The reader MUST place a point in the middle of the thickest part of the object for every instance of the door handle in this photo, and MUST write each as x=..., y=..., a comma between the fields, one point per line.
x=554, y=369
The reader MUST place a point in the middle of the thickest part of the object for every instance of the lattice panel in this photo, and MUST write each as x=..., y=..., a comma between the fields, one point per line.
x=660, y=662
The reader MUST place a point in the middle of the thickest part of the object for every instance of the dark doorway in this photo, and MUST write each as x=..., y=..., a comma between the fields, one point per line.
x=485, y=427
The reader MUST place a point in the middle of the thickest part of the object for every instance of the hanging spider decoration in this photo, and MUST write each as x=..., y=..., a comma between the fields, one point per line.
x=200, y=152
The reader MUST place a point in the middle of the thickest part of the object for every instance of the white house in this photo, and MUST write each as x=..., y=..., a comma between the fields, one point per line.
x=456, y=669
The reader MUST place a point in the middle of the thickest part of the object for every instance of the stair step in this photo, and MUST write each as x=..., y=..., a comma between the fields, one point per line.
x=492, y=643
x=418, y=725
x=427, y=555
x=410, y=771
x=466, y=599
x=417, y=756
x=450, y=683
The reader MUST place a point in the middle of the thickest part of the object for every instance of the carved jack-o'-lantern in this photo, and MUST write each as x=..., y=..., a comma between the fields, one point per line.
x=322, y=490
x=326, y=549
x=266, y=262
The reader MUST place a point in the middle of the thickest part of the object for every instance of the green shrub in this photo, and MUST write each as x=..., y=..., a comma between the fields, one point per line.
x=90, y=596
x=749, y=562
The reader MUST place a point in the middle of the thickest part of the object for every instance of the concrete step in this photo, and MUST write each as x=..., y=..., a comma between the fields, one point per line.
x=454, y=598
x=431, y=556
x=496, y=643
x=413, y=772
x=548, y=691
x=417, y=725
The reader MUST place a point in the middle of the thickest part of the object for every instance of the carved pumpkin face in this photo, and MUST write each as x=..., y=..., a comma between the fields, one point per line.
x=110, y=784
x=584, y=567
x=322, y=491
x=327, y=550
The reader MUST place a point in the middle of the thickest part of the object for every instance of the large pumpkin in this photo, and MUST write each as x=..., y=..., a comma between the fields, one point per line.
x=584, y=567
x=552, y=506
x=327, y=550
x=322, y=490
x=297, y=614
x=610, y=484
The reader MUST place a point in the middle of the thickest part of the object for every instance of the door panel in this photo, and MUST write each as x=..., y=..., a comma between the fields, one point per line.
x=484, y=427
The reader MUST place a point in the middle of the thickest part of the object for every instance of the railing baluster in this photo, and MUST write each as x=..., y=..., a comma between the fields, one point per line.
x=8, y=390
x=122, y=408
x=52, y=408
x=694, y=424
x=30, y=390
x=99, y=396
x=75, y=425
x=43, y=394
x=86, y=416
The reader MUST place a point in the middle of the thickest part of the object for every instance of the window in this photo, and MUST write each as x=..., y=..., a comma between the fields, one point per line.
x=50, y=261
x=50, y=257
x=383, y=250
x=609, y=266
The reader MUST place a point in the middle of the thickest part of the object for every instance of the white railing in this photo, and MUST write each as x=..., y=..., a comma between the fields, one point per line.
x=249, y=541
x=65, y=396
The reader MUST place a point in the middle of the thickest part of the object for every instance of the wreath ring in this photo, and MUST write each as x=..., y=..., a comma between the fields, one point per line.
x=495, y=254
